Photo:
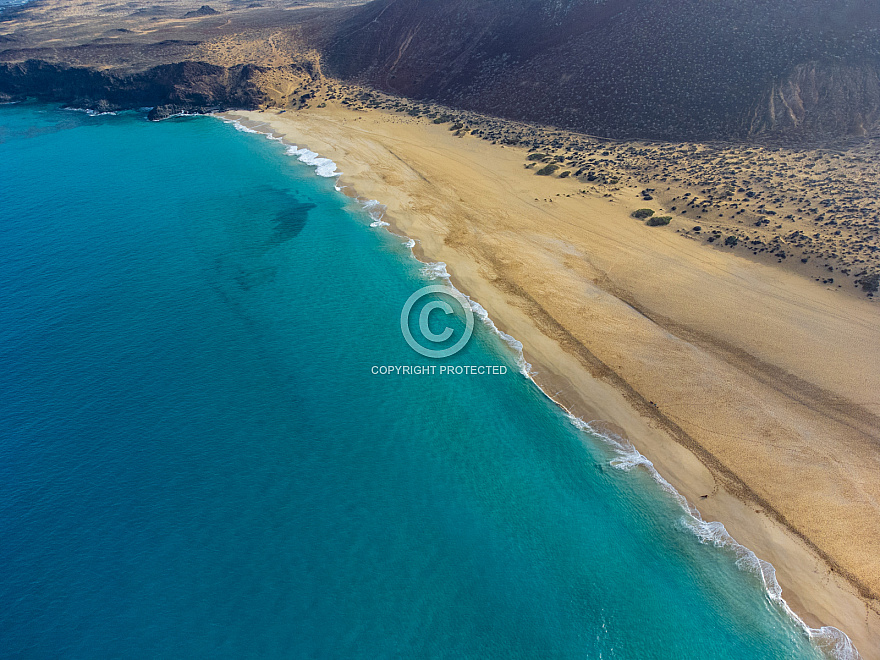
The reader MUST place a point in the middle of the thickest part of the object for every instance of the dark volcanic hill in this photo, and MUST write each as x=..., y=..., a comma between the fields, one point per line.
x=682, y=69
x=668, y=69
x=204, y=10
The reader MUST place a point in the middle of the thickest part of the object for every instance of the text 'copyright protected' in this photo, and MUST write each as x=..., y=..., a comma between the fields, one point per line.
x=441, y=370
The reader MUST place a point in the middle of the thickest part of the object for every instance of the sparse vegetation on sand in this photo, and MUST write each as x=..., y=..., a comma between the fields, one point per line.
x=547, y=170
x=659, y=221
x=871, y=283
x=815, y=210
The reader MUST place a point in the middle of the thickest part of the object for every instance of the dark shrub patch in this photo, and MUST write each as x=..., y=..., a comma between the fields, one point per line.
x=871, y=283
x=547, y=170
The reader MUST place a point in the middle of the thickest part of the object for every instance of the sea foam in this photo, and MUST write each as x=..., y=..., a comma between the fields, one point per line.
x=376, y=211
x=524, y=367
x=323, y=166
x=90, y=112
x=241, y=127
x=437, y=271
x=830, y=640
x=833, y=642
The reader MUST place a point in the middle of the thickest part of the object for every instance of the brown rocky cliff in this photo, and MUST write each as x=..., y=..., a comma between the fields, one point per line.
x=171, y=88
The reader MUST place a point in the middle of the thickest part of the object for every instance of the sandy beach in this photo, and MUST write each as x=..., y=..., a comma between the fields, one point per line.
x=754, y=389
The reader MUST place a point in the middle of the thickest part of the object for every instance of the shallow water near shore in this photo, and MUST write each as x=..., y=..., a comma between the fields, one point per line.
x=199, y=460
x=12, y=3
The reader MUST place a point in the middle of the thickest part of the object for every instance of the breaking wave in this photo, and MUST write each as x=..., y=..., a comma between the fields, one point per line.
x=828, y=639
x=323, y=166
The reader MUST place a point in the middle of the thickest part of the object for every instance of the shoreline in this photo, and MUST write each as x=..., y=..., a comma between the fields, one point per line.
x=587, y=392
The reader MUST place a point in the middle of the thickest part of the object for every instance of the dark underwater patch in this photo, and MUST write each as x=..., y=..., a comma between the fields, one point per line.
x=290, y=221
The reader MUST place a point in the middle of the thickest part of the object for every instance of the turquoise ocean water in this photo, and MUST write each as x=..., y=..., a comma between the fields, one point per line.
x=197, y=460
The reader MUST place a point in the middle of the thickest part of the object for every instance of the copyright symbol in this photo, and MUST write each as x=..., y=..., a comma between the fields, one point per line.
x=424, y=316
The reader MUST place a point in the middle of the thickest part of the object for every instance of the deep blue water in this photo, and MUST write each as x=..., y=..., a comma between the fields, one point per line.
x=196, y=460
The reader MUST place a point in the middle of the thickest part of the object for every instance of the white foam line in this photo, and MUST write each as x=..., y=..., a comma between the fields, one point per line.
x=90, y=112
x=181, y=114
x=240, y=127
x=437, y=271
x=828, y=639
x=524, y=367
x=324, y=167
x=376, y=211
x=831, y=641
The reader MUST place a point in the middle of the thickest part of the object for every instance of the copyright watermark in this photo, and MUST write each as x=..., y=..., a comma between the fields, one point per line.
x=437, y=322
x=441, y=370
x=436, y=345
